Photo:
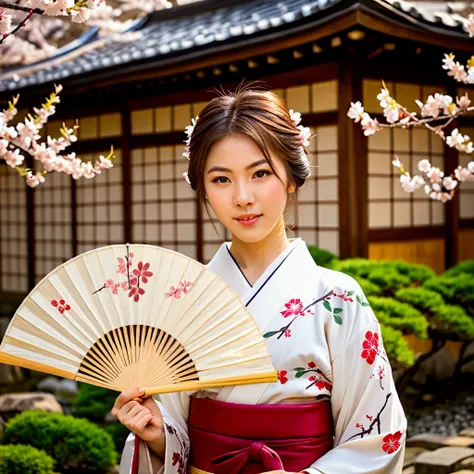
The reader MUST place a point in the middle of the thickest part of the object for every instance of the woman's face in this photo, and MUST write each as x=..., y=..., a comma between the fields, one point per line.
x=238, y=181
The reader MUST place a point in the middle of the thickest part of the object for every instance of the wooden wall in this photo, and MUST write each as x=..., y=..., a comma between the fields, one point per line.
x=466, y=244
x=427, y=251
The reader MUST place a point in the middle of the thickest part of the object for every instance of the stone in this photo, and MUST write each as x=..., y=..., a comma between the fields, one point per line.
x=13, y=403
x=467, y=432
x=409, y=470
x=434, y=441
x=49, y=384
x=442, y=460
x=68, y=387
x=411, y=454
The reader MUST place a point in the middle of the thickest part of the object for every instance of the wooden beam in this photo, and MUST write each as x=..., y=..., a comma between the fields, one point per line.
x=353, y=164
x=451, y=210
x=30, y=222
x=127, y=175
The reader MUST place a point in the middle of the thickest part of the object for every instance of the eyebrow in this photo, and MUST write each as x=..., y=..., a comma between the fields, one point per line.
x=249, y=167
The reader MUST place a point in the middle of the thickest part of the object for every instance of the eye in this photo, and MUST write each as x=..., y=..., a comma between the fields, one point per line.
x=262, y=173
x=219, y=179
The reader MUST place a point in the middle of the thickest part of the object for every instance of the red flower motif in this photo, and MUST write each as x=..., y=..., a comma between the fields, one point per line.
x=312, y=365
x=288, y=333
x=312, y=378
x=181, y=288
x=293, y=307
x=61, y=305
x=142, y=273
x=391, y=442
x=136, y=292
x=323, y=385
x=282, y=376
x=371, y=347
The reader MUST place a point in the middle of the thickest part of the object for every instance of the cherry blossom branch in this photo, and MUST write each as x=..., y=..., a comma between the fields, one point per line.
x=375, y=421
x=17, y=6
x=23, y=138
x=20, y=25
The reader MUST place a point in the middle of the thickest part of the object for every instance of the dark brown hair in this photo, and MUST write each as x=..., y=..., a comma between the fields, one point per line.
x=258, y=114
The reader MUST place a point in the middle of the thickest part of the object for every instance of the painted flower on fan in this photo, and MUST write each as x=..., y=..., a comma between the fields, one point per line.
x=61, y=305
x=142, y=272
x=182, y=288
x=136, y=292
x=293, y=307
x=391, y=442
x=370, y=347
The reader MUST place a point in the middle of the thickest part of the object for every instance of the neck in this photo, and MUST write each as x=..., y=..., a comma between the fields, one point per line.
x=255, y=257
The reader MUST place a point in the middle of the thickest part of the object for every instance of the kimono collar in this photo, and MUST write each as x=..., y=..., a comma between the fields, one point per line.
x=225, y=265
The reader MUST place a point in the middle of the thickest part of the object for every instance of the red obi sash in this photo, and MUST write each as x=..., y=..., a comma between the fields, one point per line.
x=231, y=438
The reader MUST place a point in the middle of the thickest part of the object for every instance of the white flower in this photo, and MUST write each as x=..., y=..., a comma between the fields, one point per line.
x=463, y=101
x=33, y=180
x=424, y=166
x=405, y=178
x=55, y=7
x=448, y=61
x=384, y=98
x=5, y=22
x=369, y=125
x=470, y=166
x=13, y=158
x=305, y=135
x=449, y=183
x=396, y=162
x=469, y=26
x=186, y=177
x=391, y=113
x=295, y=116
x=80, y=15
x=435, y=175
x=462, y=174
x=356, y=111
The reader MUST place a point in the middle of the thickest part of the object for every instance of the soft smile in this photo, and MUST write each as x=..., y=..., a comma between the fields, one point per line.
x=248, y=219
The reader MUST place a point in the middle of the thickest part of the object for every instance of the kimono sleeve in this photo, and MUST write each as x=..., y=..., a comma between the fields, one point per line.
x=369, y=422
x=175, y=409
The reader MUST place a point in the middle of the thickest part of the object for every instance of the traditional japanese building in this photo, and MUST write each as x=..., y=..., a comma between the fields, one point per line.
x=140, y=91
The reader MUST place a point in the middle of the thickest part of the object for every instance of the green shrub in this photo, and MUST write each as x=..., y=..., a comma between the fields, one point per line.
x=19, y=459
x=396, y=347
x=455, y=322
x=324, y=258
x=467, y=266
x=119, y=434
x=415, y=272
x=73, y=443
x=94, y=402
x=387, y=278
x=369, y=288
x=454, y=289
x=399, y=316
x=421, y=298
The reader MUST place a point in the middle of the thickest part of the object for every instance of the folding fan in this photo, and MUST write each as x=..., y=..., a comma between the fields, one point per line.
x=137, y=315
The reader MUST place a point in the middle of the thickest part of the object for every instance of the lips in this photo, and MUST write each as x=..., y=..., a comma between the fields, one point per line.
x=248, y=217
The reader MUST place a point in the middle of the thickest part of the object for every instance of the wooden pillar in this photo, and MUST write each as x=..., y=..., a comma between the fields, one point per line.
x=127, y=176
x=31, y=231
x=451, y=211
x=353, y=163
x=74, y=241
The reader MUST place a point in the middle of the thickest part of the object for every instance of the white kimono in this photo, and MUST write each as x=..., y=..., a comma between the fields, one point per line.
x=324, y=340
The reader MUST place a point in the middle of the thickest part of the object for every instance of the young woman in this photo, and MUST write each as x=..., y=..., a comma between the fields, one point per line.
x=334, y=408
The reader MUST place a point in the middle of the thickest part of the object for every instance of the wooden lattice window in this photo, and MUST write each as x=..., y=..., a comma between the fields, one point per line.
x=100, y=206
x=53, y=223
x=13, y=232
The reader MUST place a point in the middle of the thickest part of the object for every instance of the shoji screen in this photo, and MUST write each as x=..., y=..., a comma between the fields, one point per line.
x=13, y=232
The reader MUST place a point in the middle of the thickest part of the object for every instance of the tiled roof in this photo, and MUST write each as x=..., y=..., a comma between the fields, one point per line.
x=193, y=30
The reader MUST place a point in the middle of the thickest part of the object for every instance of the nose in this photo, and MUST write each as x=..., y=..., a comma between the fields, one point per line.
x=243, y=195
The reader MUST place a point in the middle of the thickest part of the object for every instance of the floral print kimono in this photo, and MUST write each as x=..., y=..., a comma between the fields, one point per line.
x=324, y=341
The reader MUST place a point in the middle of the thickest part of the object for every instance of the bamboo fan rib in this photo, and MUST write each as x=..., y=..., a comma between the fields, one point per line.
x=137, y=315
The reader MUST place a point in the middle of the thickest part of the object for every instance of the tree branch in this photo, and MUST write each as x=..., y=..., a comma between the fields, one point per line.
x=14, y=6
x=20, y=25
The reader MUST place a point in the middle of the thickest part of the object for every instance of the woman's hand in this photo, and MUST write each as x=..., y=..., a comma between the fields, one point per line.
x=141, y=416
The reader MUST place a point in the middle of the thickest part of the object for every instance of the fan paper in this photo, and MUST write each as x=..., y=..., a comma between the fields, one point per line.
x=137, y=315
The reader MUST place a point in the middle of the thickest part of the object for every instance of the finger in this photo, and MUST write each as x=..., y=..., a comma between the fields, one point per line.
x=141, y=420
x=126, y=396
x=126, y=417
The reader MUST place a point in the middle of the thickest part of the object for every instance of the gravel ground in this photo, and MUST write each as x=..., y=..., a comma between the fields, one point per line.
x=449, y=420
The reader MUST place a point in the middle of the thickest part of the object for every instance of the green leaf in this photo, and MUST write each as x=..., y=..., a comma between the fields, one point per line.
x=350, y=293
x=300, y=374
x=299, y=369
x=359, y=300
x=337, y=310
x=327, y=305
x=365, y=304
x=338, y=319
x=270, y=334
